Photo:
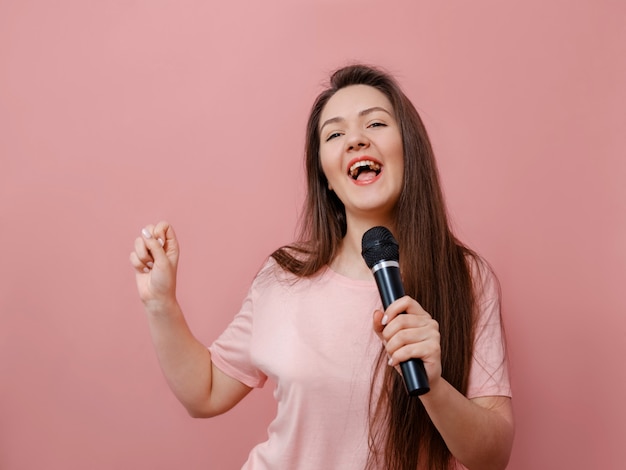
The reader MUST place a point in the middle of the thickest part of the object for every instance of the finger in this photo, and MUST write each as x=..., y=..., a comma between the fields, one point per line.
x=377, y=323
x=154, y=245
x=139, y=265
x=148, y=232
x=427, y=351
x=165, y=232
x=157, y=232
x=396, y=308
x=409, y=335
x=406, y=353
x=403, y=322
x=408, y=329
x=165, y=235
x=142, y=251
x=404, y=304
x=409, y=343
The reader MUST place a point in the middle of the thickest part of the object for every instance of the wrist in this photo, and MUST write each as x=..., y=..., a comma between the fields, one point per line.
x=439, y=388
x=161, y=307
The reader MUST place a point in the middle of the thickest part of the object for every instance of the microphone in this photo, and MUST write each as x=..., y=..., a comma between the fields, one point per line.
x=380, y=251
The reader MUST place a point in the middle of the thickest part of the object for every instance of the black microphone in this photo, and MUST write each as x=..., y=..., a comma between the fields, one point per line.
x=380, y=251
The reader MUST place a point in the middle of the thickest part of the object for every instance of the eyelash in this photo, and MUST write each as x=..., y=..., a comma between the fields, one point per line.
x=337, y=134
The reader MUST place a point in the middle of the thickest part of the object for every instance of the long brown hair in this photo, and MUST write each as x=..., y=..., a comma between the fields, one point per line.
x=434, y=264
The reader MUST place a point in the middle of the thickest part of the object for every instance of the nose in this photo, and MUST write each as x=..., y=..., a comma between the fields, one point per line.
x=356, y=141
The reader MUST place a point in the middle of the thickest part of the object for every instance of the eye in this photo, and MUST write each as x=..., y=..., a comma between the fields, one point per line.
x=378, y=124
x=332, y=136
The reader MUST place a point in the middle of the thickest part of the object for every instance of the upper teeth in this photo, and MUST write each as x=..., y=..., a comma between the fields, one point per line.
x=354, y=169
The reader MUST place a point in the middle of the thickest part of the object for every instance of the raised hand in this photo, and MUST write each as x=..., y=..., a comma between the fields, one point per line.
x=155, y=260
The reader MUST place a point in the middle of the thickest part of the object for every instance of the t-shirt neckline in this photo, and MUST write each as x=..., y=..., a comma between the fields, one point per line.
x=334, y=275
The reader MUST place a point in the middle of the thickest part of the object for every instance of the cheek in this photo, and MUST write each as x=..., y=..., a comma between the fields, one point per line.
x=328, y=164
x=398, y=171
x=323, y=165
x=399, y=155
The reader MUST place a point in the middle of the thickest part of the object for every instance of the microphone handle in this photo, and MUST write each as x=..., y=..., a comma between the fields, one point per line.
x=390, y=287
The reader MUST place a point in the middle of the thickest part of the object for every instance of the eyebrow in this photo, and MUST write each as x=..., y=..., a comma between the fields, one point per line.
x=361, y=113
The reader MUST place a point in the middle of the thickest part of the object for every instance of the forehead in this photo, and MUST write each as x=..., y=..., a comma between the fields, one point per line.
x=351, y=100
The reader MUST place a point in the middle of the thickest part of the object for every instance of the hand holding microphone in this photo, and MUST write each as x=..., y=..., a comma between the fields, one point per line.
x=381, y=254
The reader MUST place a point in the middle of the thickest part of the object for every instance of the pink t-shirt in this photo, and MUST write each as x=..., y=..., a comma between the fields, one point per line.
x=313, y=337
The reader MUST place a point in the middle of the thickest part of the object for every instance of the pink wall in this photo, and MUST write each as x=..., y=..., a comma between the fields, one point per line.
x=117, y=114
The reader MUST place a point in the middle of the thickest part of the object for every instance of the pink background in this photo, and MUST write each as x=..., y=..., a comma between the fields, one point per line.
x=117, y=114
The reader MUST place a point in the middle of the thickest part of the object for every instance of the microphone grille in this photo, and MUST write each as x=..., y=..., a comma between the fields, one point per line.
x=378, y=244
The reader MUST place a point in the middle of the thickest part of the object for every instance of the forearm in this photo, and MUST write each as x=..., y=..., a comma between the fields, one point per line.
x=480, y=436
x=186, y=363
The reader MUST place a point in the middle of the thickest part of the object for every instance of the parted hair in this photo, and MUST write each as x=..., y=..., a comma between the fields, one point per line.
x=435, y=269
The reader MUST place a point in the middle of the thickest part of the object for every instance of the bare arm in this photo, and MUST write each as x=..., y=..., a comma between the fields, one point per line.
x=478, y=432
x=203, y=389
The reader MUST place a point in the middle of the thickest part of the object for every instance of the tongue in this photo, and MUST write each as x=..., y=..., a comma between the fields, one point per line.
x=366, y=175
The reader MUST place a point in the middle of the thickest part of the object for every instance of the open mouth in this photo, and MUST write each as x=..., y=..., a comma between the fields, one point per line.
x=364, y=170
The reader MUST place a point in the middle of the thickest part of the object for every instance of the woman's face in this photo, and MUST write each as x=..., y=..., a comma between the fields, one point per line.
x=361, y=152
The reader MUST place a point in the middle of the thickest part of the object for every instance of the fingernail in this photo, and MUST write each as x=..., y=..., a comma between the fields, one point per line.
x=384, y=343
x=150, y=264
x=161, y=241
x=146, y=270
x=384, y=320
x=146, y=233
x=390, y=362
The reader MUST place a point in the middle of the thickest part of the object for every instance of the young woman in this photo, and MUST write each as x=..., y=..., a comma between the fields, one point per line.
x=313, y=319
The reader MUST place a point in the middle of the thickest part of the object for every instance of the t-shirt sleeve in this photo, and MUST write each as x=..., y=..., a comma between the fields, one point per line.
x=231, y=351
x=489, y=375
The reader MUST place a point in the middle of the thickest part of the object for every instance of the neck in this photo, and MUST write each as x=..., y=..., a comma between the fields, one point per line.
x=349, y=261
